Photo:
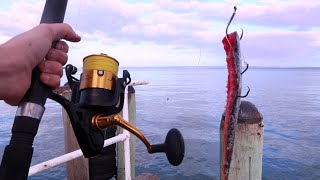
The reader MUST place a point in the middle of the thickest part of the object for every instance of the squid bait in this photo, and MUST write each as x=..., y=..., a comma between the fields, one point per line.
x=232, y=47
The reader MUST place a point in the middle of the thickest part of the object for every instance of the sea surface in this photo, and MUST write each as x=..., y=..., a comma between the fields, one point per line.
x=192, y=99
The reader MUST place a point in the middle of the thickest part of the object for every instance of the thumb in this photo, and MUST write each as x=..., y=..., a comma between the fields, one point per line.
x=63, y=31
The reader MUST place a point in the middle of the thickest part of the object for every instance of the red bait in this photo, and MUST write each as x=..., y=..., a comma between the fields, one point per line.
x=232, y=47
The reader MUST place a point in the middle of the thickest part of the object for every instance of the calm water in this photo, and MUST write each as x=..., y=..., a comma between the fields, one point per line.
x=192, y=100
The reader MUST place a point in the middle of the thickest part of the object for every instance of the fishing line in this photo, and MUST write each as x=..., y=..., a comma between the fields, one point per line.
x=199, y=58
x=98, y=62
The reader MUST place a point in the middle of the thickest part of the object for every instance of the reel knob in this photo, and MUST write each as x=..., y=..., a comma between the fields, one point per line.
x=71, y=69
x=173, y=147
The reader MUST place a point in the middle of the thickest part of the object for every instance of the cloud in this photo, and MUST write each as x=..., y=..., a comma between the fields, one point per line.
x=274, y=30
x=277, y=48
x=20, y=16
x=297, y=13
x=264, y=12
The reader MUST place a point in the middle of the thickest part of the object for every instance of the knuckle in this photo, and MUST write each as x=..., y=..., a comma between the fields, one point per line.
x=65, y=57
x=41, y=65
x=68, y=26
x=65, y=46
x=61, y=45
x=56, y=82
x=50, y=80
x=50, y=53
x=46, y=28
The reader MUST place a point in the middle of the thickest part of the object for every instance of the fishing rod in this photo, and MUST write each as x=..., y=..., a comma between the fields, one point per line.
x=97, y=99
x=18, y=154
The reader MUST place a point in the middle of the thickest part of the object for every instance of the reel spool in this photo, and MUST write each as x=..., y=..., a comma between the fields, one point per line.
x=98, y=80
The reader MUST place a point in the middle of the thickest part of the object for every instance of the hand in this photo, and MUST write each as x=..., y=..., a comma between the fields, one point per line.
x=20, y=55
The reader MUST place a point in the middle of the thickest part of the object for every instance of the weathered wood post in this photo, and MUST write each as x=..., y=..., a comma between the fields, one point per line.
x=246, y=160
x=120, y=147
x=77, y=168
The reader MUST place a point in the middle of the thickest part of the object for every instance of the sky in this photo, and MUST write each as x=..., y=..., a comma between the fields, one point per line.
x=277, y=33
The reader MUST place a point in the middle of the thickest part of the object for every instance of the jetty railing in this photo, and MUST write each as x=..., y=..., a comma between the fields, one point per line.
x=124, y=137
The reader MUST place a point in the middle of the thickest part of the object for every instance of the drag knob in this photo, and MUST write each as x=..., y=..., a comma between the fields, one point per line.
x=173, y=147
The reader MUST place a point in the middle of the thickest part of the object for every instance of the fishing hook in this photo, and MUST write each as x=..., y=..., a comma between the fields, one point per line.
x=247, y=67
x=241, y=33
x=234, y=13
x=246, y=93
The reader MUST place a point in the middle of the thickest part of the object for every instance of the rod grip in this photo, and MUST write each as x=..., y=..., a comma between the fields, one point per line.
x=17, y=155
x=54, y=12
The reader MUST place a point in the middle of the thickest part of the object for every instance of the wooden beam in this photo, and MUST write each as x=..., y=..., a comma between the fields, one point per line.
x=77, y=168
x=246, y=162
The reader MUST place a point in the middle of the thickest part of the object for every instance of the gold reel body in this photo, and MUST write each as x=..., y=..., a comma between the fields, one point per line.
x=99, y=71
x=98, y=80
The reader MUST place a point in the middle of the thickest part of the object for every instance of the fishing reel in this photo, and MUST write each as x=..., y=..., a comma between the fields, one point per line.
x=97, y=99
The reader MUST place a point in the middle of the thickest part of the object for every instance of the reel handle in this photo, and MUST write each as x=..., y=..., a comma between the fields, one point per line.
x=173, y=147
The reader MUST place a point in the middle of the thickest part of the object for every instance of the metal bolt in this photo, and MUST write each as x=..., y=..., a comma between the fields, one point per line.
x=259, y=134
x=100, y=72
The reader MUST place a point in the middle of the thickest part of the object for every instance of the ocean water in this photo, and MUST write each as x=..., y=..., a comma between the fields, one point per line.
x=192, y=99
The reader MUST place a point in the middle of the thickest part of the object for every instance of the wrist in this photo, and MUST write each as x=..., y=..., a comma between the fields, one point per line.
x=10, y=81
x=3, y=71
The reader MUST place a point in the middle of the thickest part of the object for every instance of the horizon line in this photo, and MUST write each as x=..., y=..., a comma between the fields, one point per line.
x=222, y=67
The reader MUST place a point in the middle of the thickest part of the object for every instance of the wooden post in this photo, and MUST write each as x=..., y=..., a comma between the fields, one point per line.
x=120, y=151
x=77, y=168
x=246, y=162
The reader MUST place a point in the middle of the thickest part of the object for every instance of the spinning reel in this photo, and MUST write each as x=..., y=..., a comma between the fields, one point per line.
x=97, y=99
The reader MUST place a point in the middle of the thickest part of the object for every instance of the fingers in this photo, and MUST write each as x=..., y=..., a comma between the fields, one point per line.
x=50, y=80
x=51, y=72
x=63, y=31
x=51, y=67
x=61, y=45
x=57, y=55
